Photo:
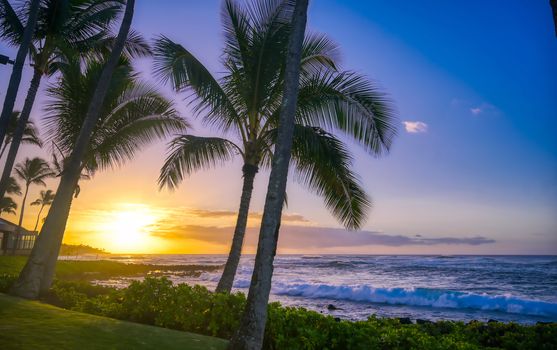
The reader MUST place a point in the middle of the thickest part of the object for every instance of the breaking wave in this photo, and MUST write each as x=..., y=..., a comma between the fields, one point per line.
x=420, y=297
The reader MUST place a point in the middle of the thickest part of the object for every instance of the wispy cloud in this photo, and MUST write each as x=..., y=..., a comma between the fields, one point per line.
x=415, y=127
x=483, y=108
x=204, y=213
x=295, y=237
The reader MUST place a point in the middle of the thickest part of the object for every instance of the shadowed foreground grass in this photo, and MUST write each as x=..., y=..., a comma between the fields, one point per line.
x=33, y=325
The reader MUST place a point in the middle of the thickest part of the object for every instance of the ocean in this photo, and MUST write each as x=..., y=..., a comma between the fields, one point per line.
x=503, y=288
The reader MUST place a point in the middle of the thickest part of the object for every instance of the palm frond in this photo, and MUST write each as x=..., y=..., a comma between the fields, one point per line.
x=133, y=115
x=322, y=162
x=11, y=25
x=13, y=187
x=188, y=153
x=349, y=102
x=319, y=52
x=7, y=205
x=175, y=64
x=34, y=171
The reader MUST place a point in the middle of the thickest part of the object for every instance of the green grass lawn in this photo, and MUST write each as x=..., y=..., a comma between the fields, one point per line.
x=33, y=325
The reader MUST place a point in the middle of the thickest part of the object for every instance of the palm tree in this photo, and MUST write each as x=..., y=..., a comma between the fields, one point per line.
x=7, y=205
x=30, y=133
x=33, y=172
x=59, y=161
x=6, y=11
x=65, y=29
x=252, y=327
x=245, y=104
x=13, y=187
x=103, y=106
x=44, y=199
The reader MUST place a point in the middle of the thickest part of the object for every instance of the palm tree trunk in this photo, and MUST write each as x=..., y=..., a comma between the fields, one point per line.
x=3, y=149
x=36, y=274
x=15, y=77
x=20, y=129
x=16, y=238
x=50, y=266
x=22, y=207
x=227, y=279
x=252, y=326
x=38, y=217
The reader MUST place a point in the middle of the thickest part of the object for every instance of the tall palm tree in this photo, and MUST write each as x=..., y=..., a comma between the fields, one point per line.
x=30, y=133
x=45, y=198
x=103, y=107
x=15, y=78
x=65, y=29
x=245, y=104
x=252, y=327
x=32, y=172
x=7, y=205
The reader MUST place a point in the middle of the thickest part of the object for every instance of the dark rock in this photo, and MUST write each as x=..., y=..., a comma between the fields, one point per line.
x=331, y=307
x=421, y=321
x=492, y=321
x=404, y=320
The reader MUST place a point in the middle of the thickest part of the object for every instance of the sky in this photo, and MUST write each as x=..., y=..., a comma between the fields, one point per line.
x=472, y=171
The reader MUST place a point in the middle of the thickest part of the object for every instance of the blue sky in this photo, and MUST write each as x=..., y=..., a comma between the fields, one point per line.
x=476, y=83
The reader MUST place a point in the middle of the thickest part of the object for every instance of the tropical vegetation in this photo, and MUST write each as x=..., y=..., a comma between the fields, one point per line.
x=283, y=103
x=156, y=301
x=32, y=172
x=7, y=205
x=30, y=133
x=65, y=30
x=245, y=104
x=45, y=199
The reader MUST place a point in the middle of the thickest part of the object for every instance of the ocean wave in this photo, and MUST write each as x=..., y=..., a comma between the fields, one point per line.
x=421, y=297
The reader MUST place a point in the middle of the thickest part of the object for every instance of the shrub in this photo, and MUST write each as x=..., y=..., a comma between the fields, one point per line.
x=157, y=301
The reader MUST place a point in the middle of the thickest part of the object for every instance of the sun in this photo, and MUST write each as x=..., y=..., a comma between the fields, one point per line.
x=128, y=229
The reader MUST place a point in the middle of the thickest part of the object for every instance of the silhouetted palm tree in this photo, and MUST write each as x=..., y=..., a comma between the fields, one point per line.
x=30, y=133
x=65, y=29
x=7, y=205
x=38, y=272
x=13, y=187
x=45, y=198
x=6, y=11
x=58, y=162
x=252, y=326
x=32, y=172
x=245, y=104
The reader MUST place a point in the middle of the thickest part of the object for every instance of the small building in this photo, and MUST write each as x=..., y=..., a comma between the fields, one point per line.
x=14, y=241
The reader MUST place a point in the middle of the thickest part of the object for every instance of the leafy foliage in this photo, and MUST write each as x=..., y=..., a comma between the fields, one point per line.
x=156, y=301
x=30, y=133
x=33, y=171
x=133, y=115
x=66, y=29
x=7, y=205
x=244, y=103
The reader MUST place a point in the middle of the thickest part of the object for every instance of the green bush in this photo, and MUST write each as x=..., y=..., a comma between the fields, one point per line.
x=156, y=301
x=6, y=281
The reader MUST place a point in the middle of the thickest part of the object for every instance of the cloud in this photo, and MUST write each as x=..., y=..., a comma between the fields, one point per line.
x=483, y=109
x=216, y=214
x=296, y=237
x=415, y=127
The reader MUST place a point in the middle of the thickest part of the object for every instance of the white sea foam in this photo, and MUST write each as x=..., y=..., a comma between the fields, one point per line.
x=420, y=297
